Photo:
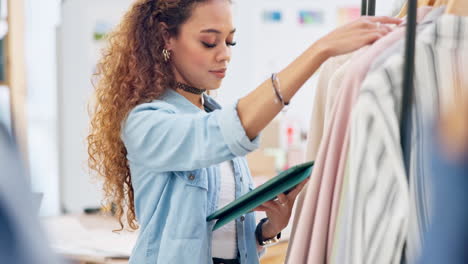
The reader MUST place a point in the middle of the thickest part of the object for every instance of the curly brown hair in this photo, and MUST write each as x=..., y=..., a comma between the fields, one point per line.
x=131, y=71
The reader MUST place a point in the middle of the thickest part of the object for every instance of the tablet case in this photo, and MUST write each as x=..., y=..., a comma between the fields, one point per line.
x=282, y=183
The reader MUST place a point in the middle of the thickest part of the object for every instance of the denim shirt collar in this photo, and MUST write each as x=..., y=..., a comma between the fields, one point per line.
x=182, y=103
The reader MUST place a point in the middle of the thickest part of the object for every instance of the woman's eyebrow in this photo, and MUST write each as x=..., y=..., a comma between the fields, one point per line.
x=211, y=30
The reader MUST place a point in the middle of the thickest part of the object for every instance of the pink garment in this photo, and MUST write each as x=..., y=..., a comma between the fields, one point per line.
x=318, y=215
x=330, y=78
x=329, y=81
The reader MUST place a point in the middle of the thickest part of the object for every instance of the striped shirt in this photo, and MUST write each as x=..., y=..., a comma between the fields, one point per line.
x=377, y=178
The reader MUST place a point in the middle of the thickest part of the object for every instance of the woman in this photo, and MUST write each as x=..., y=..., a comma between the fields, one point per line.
x=169, y=154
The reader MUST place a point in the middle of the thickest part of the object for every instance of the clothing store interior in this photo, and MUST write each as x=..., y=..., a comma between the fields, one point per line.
x=87, y=179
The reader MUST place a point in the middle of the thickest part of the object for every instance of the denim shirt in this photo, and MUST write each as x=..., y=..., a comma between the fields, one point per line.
x=174, y=150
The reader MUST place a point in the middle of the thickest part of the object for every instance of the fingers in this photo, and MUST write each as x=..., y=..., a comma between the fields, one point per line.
x=370, y=29
x=371, y=26
x=260, y=208
x=366, y=24
x=385, y=20
x=357, y=34
x=283, y=199
x=272, y=205
x=375, y=22
x=371, y=37
x=385, y=28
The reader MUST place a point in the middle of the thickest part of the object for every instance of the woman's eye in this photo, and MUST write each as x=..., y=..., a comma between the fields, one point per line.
x=208, y=45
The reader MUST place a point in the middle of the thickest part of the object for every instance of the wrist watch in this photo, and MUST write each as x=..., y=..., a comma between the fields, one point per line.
x=259, y=235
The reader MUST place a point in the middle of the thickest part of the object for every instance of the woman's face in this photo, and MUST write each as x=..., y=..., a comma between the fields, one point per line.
x=200, y=54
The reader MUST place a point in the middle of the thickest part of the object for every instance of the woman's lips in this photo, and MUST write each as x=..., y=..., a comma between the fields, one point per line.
x=219, y=73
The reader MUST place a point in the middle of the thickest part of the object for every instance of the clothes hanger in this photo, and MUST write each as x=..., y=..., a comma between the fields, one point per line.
x=404, y=8
x=457, y=7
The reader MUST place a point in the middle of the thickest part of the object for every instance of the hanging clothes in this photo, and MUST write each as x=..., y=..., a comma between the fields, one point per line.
x=317, y=216
x=378, y=186
x=329, y=81
x=302, y=249
x=418, y=207
x=360, y=69
x=397, y=48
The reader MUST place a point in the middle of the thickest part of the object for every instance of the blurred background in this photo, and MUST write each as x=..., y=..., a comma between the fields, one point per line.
x=48, y=52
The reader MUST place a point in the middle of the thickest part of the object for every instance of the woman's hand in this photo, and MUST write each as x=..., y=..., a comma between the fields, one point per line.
x=355, y=35
x=279, y=211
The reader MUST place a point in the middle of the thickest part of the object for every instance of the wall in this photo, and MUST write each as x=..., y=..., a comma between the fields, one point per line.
x=41, y=19
x=78, y=55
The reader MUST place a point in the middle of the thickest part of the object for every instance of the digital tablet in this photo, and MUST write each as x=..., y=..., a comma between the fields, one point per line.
x=282, y=183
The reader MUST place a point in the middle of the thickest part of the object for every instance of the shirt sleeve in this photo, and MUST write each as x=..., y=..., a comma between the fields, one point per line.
x=157, y=137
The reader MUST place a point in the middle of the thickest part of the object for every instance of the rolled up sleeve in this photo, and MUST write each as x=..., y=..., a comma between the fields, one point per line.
x=234, y=133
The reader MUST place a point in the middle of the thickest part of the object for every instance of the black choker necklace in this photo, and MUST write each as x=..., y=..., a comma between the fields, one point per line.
x=189, y=88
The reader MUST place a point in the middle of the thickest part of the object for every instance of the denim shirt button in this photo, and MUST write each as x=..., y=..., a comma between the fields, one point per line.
x=191, y=177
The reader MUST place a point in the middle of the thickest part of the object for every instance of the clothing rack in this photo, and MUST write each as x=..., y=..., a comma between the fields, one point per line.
x=408, y=71
x=368, y=8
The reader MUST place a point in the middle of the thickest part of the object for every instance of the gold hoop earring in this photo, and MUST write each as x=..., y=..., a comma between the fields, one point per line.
x=166, y=55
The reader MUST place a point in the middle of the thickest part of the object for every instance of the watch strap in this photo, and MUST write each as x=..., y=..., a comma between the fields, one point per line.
x=259, y=235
